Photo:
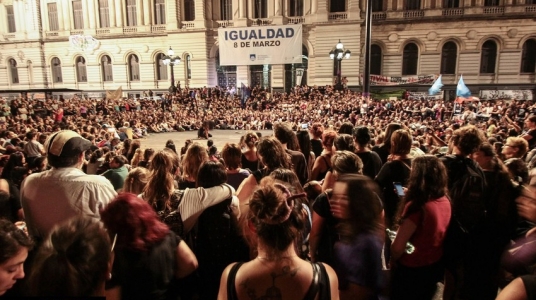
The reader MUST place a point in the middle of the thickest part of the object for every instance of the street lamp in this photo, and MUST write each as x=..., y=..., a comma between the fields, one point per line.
x=172, y=60
x=337, y=54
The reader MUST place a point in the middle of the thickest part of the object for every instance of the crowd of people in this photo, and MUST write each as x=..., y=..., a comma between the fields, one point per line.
x=350, y=198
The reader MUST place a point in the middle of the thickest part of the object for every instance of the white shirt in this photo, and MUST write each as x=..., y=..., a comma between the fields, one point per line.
x=54, y=196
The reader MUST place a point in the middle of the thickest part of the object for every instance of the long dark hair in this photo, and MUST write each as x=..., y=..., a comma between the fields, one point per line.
x=427, y=181
x=364, y=204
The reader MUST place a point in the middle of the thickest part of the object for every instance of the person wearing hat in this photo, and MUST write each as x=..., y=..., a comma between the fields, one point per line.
x=54, y=196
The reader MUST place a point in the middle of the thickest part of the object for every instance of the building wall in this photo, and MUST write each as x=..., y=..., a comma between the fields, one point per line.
x=33, y=45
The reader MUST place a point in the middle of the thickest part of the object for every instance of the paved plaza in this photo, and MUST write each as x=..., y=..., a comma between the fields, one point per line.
x=157, y=141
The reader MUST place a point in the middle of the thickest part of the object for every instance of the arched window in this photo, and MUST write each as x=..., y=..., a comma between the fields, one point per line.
x=107, y=68
x=337, y=6
x=161, y=68
x=133, y=68
x=189, y=10
x=375, y=60
x=81, y=72
x=188, y=66
x=296, y=8
x=260, y=9
x=449, y=58
x=528, y=57
x=410, y=59
x=13, y=71
x=488, y=59
x=56, y=70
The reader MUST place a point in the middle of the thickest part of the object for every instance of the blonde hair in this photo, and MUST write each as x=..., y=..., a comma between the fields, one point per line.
x=137, y=158
x=195, y=156
x=136, y=181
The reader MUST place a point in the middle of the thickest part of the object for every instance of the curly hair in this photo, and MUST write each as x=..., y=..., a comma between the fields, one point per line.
x=467, y=139
x=11, y=240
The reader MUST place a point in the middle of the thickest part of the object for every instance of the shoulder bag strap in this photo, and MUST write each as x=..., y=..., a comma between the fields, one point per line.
x=315, y=286
x=325, y=286
x=231, y=290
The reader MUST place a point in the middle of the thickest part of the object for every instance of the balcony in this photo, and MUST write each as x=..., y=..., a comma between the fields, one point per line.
x=52, y=34
x=530, y=9
x=9, y=36
x=225, y=23
x=493, y=10
x=130, y=29
x=158, y=28
x=296, y=20
x=100, y=31
x=187, y=25
x=261, y=22
x=338, y=16
x=379, y=16
x=410, y=14
x=450, y=12
x=77, y=32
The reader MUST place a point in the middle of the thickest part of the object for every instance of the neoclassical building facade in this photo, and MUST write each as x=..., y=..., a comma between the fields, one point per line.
x=98, y=45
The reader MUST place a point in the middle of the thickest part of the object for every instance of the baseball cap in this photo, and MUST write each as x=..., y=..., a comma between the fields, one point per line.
x=66, y=143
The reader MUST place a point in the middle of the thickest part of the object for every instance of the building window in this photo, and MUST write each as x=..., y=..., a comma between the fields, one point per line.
x=449, y=58
x=10, y=19
x=53, y=24
x=160, y=12
x=489, y=57
x=413, y=4
x=296, y=8
x=161, y=68
x=78, y=15
x=377, y=5
x=337, y=6
x=133, y=68
x=132, y=15
x=226, y=10
x=104, y=14
x=107, y=68
x=528, y=57
x=451, y=3
x=375, y=60
x=56, y=70
x=530, y=1
x=188, y=66
x=260, y=9
x=491, y=3
x=81, y=72
x=410, y=59
x=13, y=72
x=189, y=10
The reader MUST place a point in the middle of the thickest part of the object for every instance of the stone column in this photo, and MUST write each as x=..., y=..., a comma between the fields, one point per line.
x=86, y=15
x=93, y=13
x=111, y=13
x=3, y=26
x=139, y=12
x=148, y=10
x=20, y=16
x=427, y=4
x=66, y=13
x=314, y=6
x=118, y=12
x=242, y=8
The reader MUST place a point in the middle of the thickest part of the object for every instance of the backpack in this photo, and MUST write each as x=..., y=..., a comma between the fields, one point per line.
x=466, y=191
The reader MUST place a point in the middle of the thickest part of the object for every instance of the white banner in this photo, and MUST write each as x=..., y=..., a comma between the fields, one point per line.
x=506, y=94
x=262, y=45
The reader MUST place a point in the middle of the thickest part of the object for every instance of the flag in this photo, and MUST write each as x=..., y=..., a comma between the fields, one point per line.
x=436, y=87
x=114, y=95
x=462, y=90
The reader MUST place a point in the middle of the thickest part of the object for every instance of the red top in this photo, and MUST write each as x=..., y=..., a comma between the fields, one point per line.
x=432, y=222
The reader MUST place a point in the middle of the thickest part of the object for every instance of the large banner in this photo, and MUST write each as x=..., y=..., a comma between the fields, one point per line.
x=261, y=45
x=400, y=80
x=506, y=94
